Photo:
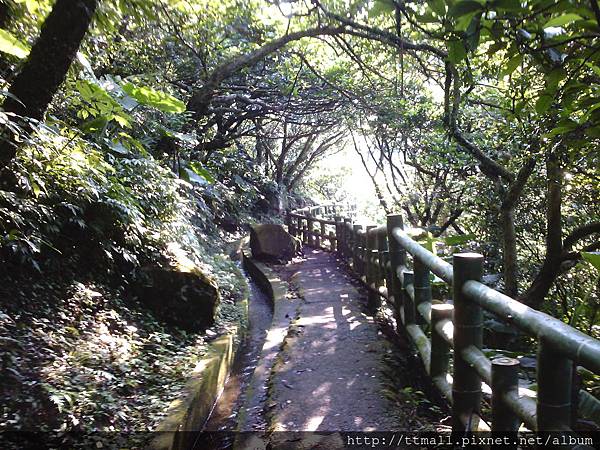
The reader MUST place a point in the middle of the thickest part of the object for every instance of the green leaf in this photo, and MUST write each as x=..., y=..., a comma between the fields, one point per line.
x=11, y=45
x=543, y=103
x=462, y=23
x=593, y=258
x=95, y=125
x=456, y=51
x=564, y=126
x=512, y=65
x=122, y=120
x=8, y=94
x=428, y=17
x=593, y=132
x=473, y=33
x=555, y=77
x=463, y=8
x=438, y=7
x=459, y=239
x=507, y=5
x=31, y=5
x=589, y=406
x=160, y=100
x=201, y=171
x=563, y=19
x=382, y=7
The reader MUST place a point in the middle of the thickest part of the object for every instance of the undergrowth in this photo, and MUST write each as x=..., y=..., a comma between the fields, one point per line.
x=80, y=354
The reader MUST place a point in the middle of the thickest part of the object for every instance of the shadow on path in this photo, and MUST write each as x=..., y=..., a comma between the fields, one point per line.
x=328, y=378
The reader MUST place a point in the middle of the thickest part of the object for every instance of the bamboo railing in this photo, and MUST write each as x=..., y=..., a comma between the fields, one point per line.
x=380, y=256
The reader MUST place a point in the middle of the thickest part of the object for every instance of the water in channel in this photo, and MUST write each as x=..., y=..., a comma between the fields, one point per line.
x=218, y=431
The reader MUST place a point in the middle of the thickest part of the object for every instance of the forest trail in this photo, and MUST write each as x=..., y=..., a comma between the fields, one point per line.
x=329, y=373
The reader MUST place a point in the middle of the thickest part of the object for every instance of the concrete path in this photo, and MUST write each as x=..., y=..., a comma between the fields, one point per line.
x=329, y=372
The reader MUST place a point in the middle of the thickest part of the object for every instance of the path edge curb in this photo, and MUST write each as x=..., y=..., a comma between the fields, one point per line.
x=187, y=414
x=276, y=291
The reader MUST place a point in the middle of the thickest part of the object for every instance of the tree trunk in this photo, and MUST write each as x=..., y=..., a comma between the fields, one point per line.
x=48, y=63
x=511, y=197
x=260, y=151
x=550, y=268
x=509, y=252
x=5, y=13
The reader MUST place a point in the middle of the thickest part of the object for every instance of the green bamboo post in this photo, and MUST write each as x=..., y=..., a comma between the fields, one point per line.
x=505, y=379
x=332, y=242
x=299, y=227
x=317, y=234
x=347, y=238
x=342, y=243
x=440, y=349
x=363, y=254
x=422, y=287
x=338, y=234
x=397, y=258
x=311, y=226
x=371, y=269
x=382, y=250
x=323, y=235
x=305, y=231
x=387, y=269
x=290, y=224
x=408, y=306
x=356, y=249
x=468, y=330
x=554, y=377
x=376, y=255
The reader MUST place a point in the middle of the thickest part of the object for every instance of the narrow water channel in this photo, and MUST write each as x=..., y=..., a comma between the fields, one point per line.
x=218, y=430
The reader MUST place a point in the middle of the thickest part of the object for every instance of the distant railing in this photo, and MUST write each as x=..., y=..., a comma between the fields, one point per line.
x=379, y=255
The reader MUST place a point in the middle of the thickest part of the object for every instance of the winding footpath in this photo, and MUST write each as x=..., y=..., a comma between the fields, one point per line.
x=328, y=377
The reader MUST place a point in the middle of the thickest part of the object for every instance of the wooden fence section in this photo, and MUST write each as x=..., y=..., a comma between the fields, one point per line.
x=397, y=268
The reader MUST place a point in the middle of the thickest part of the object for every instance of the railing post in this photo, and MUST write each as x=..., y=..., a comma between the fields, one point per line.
x=422, y=287
x=289, y=221
x=323, y=235
x=356, y=250
x=347, y=237
x=362, y=254
x=317, y=235
x=343, y=252
x=505, y=379
x=397, y=258
x=338, y=234
x=468, y=318
x=299, y=228
x=554, y=377
x=382, y=252
x=332, y=242
x=440, y=349
x=408, y=306
x=305, y=231
x=311, y=226
x=373, y=300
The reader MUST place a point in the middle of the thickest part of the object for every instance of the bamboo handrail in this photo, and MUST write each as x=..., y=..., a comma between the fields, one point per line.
x=378, y=256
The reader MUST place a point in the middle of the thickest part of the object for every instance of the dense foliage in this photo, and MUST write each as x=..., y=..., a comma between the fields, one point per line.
x=156, y=129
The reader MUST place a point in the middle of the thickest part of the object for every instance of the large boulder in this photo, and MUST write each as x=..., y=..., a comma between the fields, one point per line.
x=272, y=243
x=179, y=293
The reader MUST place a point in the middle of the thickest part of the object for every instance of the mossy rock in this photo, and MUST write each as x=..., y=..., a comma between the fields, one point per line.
x=272, y=243
x=180, y=294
